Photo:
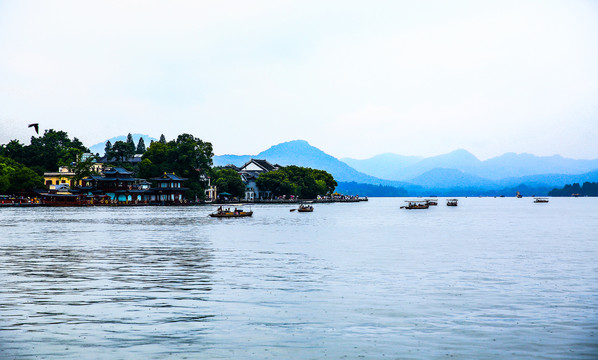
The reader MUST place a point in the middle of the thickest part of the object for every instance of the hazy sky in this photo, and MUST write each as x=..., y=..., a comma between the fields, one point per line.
x=352, y=78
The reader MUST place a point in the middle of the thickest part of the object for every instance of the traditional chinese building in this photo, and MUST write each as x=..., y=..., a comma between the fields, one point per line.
x=168, y=189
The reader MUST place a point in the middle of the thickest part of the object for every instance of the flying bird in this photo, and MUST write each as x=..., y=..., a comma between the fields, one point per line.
x=35, y=126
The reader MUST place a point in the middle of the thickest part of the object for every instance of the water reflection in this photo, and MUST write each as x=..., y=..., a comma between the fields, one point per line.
x=50, y=293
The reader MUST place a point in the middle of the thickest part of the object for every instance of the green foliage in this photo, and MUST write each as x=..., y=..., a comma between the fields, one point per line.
x=82, y=168
x=140, y=146
x=228, y=180
x=107, y=148
x=120, y=151
x=15, y=177
x=187, y=156
x=131, y=143
x=46, y=152
x=162, y=139
x=588, y=189
x=303, y=182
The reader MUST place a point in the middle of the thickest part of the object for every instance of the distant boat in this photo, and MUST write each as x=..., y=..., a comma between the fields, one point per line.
x=227, y=213
x=451, y=202
x=415, y=204
x=432, y=202
x=540, y=200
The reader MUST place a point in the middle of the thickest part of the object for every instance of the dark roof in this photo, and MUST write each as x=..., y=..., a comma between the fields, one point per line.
x=231, y=166
x=93, y=177
x=263, y=164
x=117, y=170
x=168, y=177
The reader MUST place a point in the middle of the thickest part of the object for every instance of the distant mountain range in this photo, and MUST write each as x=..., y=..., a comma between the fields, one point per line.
x=509, y=165
x=458, y=173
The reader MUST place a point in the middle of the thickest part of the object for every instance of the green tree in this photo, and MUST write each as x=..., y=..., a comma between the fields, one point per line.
x=15, y=177
x=295, y=180
x=130, y=143
x=46, y=152
x=121, y=151
x=107, y=148
x=140, y=146
x=228, y=180
x=187, y=156
x=162, y=139
x=83, y=167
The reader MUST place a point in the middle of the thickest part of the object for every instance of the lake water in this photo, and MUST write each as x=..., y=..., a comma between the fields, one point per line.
x=494, y=278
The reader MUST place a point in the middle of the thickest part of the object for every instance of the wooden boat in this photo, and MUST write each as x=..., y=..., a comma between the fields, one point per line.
x=432, y=202
x=541, y=200
x=415, y=204
x=227, y=213
x=305, y=208
x=451, y=202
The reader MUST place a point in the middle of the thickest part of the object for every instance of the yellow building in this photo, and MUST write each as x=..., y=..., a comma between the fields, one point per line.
x=65, y=176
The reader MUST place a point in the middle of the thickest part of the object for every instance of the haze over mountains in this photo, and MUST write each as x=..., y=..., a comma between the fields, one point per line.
x=453, y=174
x=458, y=173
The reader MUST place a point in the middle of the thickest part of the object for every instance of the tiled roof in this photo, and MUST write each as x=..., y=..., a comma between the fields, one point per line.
x=118, y=170
x=263, y=164
x=167, y=177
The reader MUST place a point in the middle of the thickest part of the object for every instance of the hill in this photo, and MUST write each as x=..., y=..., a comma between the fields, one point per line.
x=383, y=166
x=301, y=153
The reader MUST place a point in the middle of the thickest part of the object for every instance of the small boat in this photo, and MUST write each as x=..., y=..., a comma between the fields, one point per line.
x=432, y=202
x=415, y=204
x=305, y=208
x=540, y=200
x=451, y=202
x=228, y=213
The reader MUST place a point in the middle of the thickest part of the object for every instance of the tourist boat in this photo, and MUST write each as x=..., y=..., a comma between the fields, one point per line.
x=415, y=204
x=432, y=202
x=451, y=202
x=541, y=200
x=228, y=213
x=305, y=208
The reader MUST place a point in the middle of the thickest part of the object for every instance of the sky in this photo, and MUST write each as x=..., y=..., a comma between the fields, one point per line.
x=353, y=78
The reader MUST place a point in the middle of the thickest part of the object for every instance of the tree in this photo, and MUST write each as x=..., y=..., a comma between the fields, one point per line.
x=121, y=151
x=295, y=180
x=140, y=146
x=130, y=144
x=46, y=152
x=15, y=177
x=187, y=156
x=162, y=139
x=228, y=180
x=107, y=148
x=83, y=167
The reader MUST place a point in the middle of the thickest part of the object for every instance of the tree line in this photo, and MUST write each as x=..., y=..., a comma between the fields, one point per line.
x=587, y=189
x=22, y=166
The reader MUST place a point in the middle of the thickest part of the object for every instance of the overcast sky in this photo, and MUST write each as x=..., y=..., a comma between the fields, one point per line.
x=355, y=79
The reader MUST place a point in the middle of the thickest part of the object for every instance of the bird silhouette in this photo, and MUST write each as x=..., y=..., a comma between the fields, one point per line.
x=35, y=126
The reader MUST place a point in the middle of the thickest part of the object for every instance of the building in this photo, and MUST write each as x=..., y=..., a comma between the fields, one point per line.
x=65, y=175
x=249, y=172
x=210, y=190
x=168, y=189
x=117, y=183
